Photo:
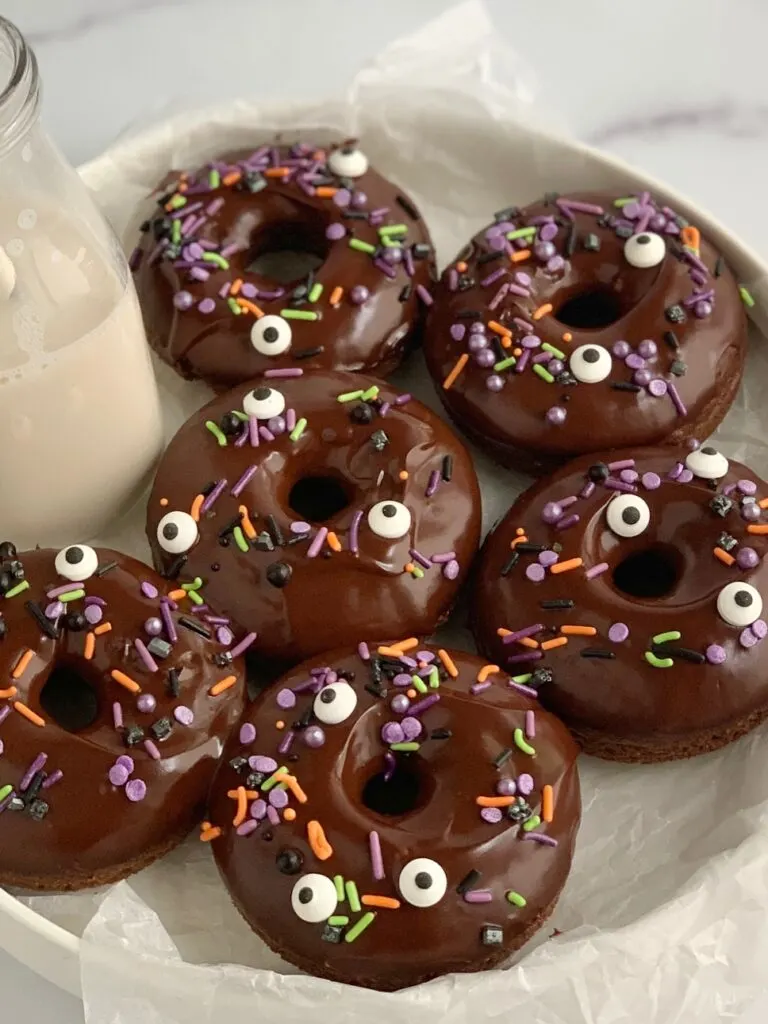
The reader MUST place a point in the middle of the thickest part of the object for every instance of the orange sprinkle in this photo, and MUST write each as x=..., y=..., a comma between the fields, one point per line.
x=520, y=255
x=690, y=237
x=558, y=641
x=332, y=541
x=411, y=693
x=276, y=172
x=177, y=595
x=90, y=646
x=196, y=504
x=542, y=311
x=501, y=631
x=236, y=286
x=279, y=724
x=10, y=692
x=222, y=685
x=401, y=646
x=248, y=528
x=461, y=362
x=763, y=503
x=723, y=556
x=578, y=630
x=757, y=528
x=242, y=807
x=497, y=328
x=506, y=342
x=519, y=539
x=29, y=714
x=289, y=814
x=528, y=641
x=403, y=474
x=569, y=563
x=325, y=191
x=251, y=794
x=22, y=664
x=124, y=680
x=232, y=178
x=321, y=848
x=567, y=336
x=485, y=671
x=293, y=784
x=163, y=502
x=105, y=627
x=461, y=266
x=385, y=902
x=336, y=295
x=547, y=803
x=257, y=311
x=448, y=664
x=495, y=801
x=209, y=834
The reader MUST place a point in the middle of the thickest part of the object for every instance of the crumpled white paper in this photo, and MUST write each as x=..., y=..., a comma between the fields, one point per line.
x=663, y=919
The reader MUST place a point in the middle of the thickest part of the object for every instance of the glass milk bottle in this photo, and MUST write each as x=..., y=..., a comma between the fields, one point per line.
x=80, y=424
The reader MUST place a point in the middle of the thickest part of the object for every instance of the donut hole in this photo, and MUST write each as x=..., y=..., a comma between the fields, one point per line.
x=319, y=498
x=405, y=790
x=287, y=251
x=69, y=700
x=591, y=309
x=652, y=572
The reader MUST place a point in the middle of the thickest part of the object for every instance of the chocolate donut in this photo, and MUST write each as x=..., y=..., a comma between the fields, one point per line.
x=284, y=256
x=315, y=507
x=628, y=586
x=115, y=704
x=586, y=322
x=425, y=824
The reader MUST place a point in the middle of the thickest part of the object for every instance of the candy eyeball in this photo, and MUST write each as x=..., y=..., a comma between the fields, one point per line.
x=389, y=519
x=644, y=250
x=348, y=162
x=422, y=882
x=78, y=562
x=271, y=335
x=707, y=462
x=264, y=403
x=739, y=604
x=176, y=532
x=628, y=515
x=314, y=898
x=335, y=703
x=590, y=363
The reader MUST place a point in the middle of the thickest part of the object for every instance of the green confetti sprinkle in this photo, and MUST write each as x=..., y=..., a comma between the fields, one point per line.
x=552, y=350
x=521, y=233
x=338, y=920
x=71, y=595
x=515, y=898
x=405, y=747
x=372, y=392
x=623, y=202
x=419, y=684
x=356, y=243
x=234, y=306
x=18, y=589
x=349, y=396
x=746, y=297
x=240, y=540
x=273, y=779
x=359, y=927
x=214, y=178
x=539, y=370
x=298, y=430
x=299, y=314
x=505, y=364
x=352, y=896
x=522, y=679
x=210, y=425
x=338, y=881
x=434, y=677
x=522, y=744
x=662, y=638
x=651, y=658
x=176, y=202
x=316, y=292
x=5, y=791
x=532, y=823
x=217, y=259
x=393, y=229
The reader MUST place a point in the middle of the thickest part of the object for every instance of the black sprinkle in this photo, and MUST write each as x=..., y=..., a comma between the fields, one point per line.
x=175, y=567
x=226, y=530
x=488, y=257
x=38, y=809
x=307, y=353
x=133, y=736
x=469, y=881
x=684, y=653
x=102, y=570
x=726, y=541
x=376, y=669
x=405, y=293
x=161, y=729
x=469, y=314
x=195, y=627
x=331, y=933
x=305, y=719
x=264, y=542
x=508, y=213
x=407, y=206
x=253, y=780
x=375, y=691
x=591, y=243
x=421, y=250
x=510, y=563
x=466, y=282
x=721, y=505
x=528, y=548
x=625, y=385
x=624, y=232
x=675, y=314
x=596, y=652
x=159, y=648
x=550, y=197
x=540, y=677
x=492, y=935
x=570, y=242
x=238, y=763
x=274, y=530
x=379, y=440
x=30, y=793
x=498, y=348
x=205, y=491
x=447, y=468
x=678, y=368
x=719, y=264
x=557, y=602
x=173, y=682
x=46, y=626
x=440, y=734
x=671, y=339
x=501, y=759
x=355, y=215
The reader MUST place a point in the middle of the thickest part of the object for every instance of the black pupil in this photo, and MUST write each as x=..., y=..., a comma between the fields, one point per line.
x=423, y=880
x=591, y=355
x=346, y=150
x=709, y=451
x=261, y=394
x=74, y=555
x=270, y=334
x=743, y=599
x=305, y=895
x=643, y=239
x=328, y=695
x=389, y=511
x=630, y=515
x=170, y=531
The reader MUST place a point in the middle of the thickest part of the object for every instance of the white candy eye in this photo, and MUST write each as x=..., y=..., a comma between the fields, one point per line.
x=628, y=515
x=590, y=363
x=422, y=882
x=390, y=519
x=707, y=463
x=348, y=162
x=78, y=562
x=314, y=898
x=176, y=532
x=271, y=335
x=739, y=604
x=335, y=703
x=645, y=250
x=264, y=403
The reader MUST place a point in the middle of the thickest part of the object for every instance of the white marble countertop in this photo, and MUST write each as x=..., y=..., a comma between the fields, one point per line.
x=675, y=86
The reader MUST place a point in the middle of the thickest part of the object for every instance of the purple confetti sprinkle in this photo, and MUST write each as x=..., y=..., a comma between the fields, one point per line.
x=259, y=809
x=136, y=790
x=535, y=573
x=715, y=654
x=247, y=733
x=278, y=798
x=286, y=699
x=525, y=784
x=747, y=638
x=118, y=775
x=411, y=728
x=183, y=715
x=392, y=732
x=760, y=628
x=54, y=610
x=451, y=569
x=618, y=632
x=93, y=614
x=651, y=481
x=246, y=828
x=265, y=765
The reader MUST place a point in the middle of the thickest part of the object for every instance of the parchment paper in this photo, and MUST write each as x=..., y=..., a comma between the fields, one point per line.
x=664, y=917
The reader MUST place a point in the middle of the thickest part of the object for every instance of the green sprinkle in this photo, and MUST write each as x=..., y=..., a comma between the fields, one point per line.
x=71, y=595
x=214, y=178
x=419, y=684
x=298, y=430
x=240, y=415
x=176, y=231
x=391, y=243
x=195, y=598
x=349, y=396
x=405, y=747
x=299, y=314
x=5, y=791
x=522, y=679
x=338, y=881
x=359, y=927
x=746, y=297
x=434, y=677
x=234, y=306
x=394, y=229
x=352, y=896
x=516, y=898
x=651, y=658
x=662, y=638
x=522, y=744
x=194, y=585
x=210, y=425
x=372, y=392
x=544, y=374
x=417, y=572
x=176, y=202
x=504, y=364
x=18, y=589
x=552, y=350
x=240, y=540
x=317, y=291
x=273, y=779
x=521, y=233
x=624, y=201
x=338, y=920
x=214, y=257
x=532, y=823
x=356, y=243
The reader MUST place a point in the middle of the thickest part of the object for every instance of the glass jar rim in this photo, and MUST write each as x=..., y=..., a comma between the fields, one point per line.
x=20, y=94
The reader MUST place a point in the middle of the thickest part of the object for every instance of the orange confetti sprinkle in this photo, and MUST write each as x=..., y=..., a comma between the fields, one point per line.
x=517, y=352
x=385, y=902
x=177, y=595
x=325, y=191
x=403, y=474
x=578, y=630
x=520, y=531
x=10, y=692
x=236, y=286
x=22, y=664
x=196, y=505
x=293, y=784
x=461, y=266
x=497, y=328
x=567, y=336
x=242, y=807
x=758, y=528
x=411, y=693
x=541, y=311
x=566, y=566
x=257, y=311
x=461, y=362
x=558, y=641
x=126, y=681
x=723, y=556
x=105, y=627
x=332, y=541
x=29, y=714
x=320, y=846
x=448, y=663
x=163, y=502
x=289, y=814
x=485, y=671
x=222, y=685
x=547, y=803
x=90, y=646
x=279, y=724
x=520, y=256
x=232, y=178
x=209, y=834
x=248, y=528
x=495, y=801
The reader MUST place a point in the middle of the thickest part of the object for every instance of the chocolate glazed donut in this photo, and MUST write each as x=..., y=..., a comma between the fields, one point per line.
x=628, y=587
x=586, y=322
x=114, y=707
x=317, y=507
x=417, y=817
x=285, y=256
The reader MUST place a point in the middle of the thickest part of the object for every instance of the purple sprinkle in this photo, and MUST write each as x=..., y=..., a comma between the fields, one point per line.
x=506, y=787
x=567, y=521
x=151, y=748
x=530, y=724
x=525, y=784
x=253, y=431
x=493, y=816
x=4, y=712
x=651, y=481
x=146, y=703
x=596, y=570
x=747, y=558
x=715, y=654
x=34, y=768
x=588, y=489
x=392, y=732
x=535, y=573
x=520, y=634
x=286, y=699
x=748, y=487
x=316, y=546
x=265, y=765
x=453, y=279
x=747, y=638
x=183, y=715
x=483, y=895
x=117, y=715
x=335, y=231
x=265, y=433
x=290, y=419
x=618, y=632
x=567, y=205
x=95, y=600
x=760, y=628
x=212, y=497
x=451, y=569
x=377, y=861
x=528, y=691
x=527, y=656
x=492, y=278
x=136, y=790
x=476, y=688
x=313, y=736
x=677, y=401
x=278, y=798
x=272, y=815
x=259, y=809
x=354, y=532
x=411, y=728
x=539, y=837
x=53, y=778
x=288, y=371
x=421, y=559
x=244, y=644
x=621, y=464
x=54, y=610
x=614, y=484
x=286, y=742
x=246, y=828
x=500, y=295
x=170, y=625
x=433, y=484
x=4, y=803
x=149, y=662
x=224, y=636
x=363, y=650
x=118, y=775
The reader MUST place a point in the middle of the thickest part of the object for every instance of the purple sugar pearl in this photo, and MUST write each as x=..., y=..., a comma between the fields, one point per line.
x=393, y=254
x=647, y=349
x=343, y=197
x=182, y=300
x=184, y=715
x=657, y=222
x=286, y=699
x=485, y=358
x=247, y=733
x=555, y=264
x=494, y=382
x=146, y=703
x=535, y=573
x=259, y=763
x=643, y=378
x=153, y=626
x=276, y=424
x=411, y=728
x=136, y=790
x=551, y=512
x=751, y=512
x=118, y=775
x=702, y=309
x=477, y=342
x=359, y=200
x=206, y=306
x=399, y=703
x=336, y=231
x=492, y=815
x=544, y=251
x=506, y=787
x=359, y=294
x=525, y=784
x=760, y=628
x=555, y=366
x=93, y=614
x=716, y=654
x=314, y=736
x=556, y=415
x=477, y=327
x=278, y=798
x=392, y=732
x=651, y=481
x=618, y=632
x=747, y=558
x=621, y=349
